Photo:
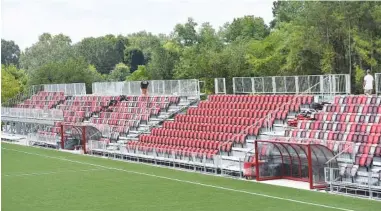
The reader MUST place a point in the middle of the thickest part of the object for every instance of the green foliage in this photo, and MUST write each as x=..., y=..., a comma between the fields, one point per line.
x=13, y=81
x=140, y=74
x=306, y=37
x=162, y=63
x=247, y=27
x=102, y=52
x=186, y=34
x=72, y=70
x=119, y=73
x=359, y=79
x=146, y=43
x=134, y=57
x=48, y=49
x=10, y=53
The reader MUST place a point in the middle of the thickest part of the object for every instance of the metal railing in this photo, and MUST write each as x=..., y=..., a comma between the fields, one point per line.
x=159, y=87
x=68, y=89
x=191, y=160
x=378, y=83
x=28, y=113
x=335, y=84
x=219, y=86
x=24, y=95
x=355, y=183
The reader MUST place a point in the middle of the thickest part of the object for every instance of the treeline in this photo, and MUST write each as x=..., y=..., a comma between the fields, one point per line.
x=303, y=38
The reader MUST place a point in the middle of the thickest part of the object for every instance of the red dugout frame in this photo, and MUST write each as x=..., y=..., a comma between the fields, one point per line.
x=294, y=161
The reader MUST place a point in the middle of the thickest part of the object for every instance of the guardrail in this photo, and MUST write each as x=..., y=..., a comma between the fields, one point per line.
x=328, y=84
x=28, y=113
x=158, y=87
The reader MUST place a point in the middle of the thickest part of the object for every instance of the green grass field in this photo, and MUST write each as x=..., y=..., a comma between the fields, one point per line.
x=38, y=179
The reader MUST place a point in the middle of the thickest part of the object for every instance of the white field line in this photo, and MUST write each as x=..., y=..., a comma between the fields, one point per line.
x=186, y=181
x=50, y=172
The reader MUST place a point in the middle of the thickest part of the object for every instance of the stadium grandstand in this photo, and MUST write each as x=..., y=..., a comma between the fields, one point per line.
x=307, y=129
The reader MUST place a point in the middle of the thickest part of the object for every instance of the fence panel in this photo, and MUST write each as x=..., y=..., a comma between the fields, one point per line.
x=27, y=113
x=378, y=83
x=159, y=87
x=21, y=97
x=219, y=86
x=69, y=89
x=314, y=84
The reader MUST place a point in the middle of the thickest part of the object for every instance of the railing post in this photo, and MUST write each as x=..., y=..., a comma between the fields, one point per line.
x=234, y=85
x=274, y=84
x=252, y=85
x=296, y=84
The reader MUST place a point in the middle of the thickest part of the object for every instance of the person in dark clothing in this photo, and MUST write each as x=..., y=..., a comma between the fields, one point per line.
x=144, y=87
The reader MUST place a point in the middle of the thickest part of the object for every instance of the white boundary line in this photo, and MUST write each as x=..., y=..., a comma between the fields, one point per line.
x=51, y=172
x=185, y=181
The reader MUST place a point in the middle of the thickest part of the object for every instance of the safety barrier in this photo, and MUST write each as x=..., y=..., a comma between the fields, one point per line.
x=328, y=84
x=159, y=87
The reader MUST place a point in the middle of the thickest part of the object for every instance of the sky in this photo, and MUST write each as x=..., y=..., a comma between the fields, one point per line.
x=24, y=20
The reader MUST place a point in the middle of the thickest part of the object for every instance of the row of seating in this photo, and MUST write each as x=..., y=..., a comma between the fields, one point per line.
x=118, y=122
x=362, y=99
x=94, y=98
x=215, y=136
x=353, y=108
x=49, y=98
x=45, y=93
x=87, y=103
x=350, y=173
x=141, y=104
x=306, y=99
x=71, y=113
x=73, y=119
x=168, y=99
x=136, y=110
x=347, y=117
x=124, y=116
x=186, y=142
x=50, y=105
x=250, y=106
x=43, y=100
x=263, y=122
x=89, y=109
x=236, y=113
x=373, y=138
x=340, y=126
x=177, y=151
x=221, y=128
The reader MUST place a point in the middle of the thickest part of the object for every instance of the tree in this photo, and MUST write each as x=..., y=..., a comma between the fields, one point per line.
x=162, y=63
x=208, y=37
x=13, y=81
x=48, y=49
x=72, y=70
x=134, y=57
x=140, y=49
x=10, y=52
x=247, y=27
x=140, y=74
x=102, y=52
x=119, y=73
x=186, y=34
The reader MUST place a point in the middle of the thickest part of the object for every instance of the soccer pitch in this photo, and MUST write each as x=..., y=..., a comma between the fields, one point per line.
x=36, y=179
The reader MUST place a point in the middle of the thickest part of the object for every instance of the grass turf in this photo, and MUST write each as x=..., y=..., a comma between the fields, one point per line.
x=35, y=182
